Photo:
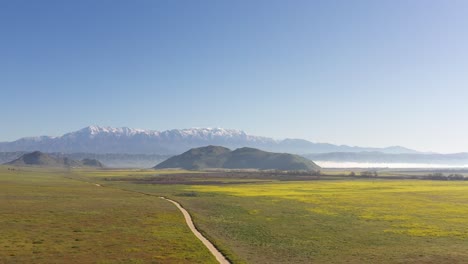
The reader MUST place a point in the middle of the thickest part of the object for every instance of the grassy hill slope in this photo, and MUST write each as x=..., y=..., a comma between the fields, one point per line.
x=38, y=158
x=242, y=158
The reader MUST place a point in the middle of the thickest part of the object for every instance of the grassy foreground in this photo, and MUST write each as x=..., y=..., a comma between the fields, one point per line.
x=324, y=221
x=47, y=218
x=64, y=217
x=339, y=222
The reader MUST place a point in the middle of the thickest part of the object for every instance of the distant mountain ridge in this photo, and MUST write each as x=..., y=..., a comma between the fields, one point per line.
x=96, y=139
x=218, y=157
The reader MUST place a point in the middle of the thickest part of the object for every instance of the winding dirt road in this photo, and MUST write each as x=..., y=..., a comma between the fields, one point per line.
x=188, y=219
x=219, y=257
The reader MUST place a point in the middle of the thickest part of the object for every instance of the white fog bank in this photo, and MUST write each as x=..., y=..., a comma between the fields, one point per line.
x=334, y=164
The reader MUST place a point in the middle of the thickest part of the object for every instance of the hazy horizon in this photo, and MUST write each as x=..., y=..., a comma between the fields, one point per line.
x=357, y=73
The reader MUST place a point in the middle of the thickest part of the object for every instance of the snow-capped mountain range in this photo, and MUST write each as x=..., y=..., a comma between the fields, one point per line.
x=96, y=139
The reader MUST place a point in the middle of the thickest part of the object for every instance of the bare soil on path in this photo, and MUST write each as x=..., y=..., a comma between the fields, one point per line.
x=221, y=259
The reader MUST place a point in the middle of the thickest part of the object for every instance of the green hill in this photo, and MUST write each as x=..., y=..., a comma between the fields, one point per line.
x=198, y=158
x=92, y=163
x=242, y=158
x=38, y=158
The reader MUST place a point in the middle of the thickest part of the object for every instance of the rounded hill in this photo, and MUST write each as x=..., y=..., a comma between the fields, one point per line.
x=216, y=157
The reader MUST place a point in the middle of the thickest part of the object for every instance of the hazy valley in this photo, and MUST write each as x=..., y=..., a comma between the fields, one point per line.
x=137, y=148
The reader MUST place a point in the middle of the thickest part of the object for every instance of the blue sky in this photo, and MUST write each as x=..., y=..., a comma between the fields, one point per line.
x=368, y=73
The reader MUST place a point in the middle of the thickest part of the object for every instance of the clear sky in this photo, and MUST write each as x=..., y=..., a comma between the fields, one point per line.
x=367, y=73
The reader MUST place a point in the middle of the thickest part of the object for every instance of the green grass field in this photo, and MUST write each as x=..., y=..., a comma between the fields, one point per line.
x=339, y=222
x=329, y=221
x=47, y=218
x=264, y=221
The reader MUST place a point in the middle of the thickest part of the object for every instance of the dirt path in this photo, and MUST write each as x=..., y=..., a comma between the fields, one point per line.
x=219, y=257
x=188, y=219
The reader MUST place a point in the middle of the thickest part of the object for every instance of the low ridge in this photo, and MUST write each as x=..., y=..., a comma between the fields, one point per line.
x=242, y=158
x=38, y=158
x=92, y=163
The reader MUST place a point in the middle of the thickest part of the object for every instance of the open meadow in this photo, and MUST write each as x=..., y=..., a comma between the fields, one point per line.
x=329, y=220
x=46, y=217
x=251, y=218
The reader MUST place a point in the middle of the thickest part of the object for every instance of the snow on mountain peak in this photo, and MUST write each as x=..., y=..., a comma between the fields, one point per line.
x=97, y=130
x=99, y=139
x=219, y=132
x=93, y=131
